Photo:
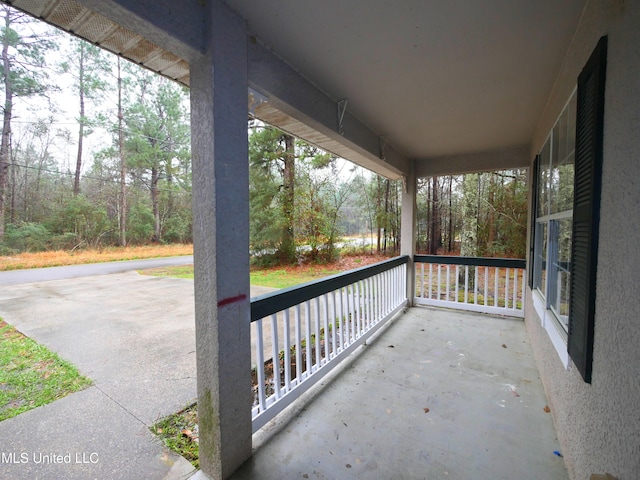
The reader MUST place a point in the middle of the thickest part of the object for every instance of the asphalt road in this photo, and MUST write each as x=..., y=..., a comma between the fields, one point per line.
x=36, y=275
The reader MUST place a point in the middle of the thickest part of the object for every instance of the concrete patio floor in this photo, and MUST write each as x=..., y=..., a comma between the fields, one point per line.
x=438, y=394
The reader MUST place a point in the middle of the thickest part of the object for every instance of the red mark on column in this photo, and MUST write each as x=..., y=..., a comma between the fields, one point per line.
x=230, y=300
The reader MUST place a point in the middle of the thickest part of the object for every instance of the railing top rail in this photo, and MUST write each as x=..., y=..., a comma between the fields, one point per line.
x=472, y=261
x=274, y=302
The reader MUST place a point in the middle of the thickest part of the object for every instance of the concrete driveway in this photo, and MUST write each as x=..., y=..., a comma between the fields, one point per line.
x=134, y=336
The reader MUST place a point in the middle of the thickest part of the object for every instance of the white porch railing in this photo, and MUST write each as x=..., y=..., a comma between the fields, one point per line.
x=489, y=285
x=310, y=328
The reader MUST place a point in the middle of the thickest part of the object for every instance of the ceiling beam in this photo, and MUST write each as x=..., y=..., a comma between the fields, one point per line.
x=305, y=105
x=175, y=26
x=500, y=159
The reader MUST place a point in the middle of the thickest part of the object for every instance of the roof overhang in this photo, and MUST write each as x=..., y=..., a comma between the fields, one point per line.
x=452, y=86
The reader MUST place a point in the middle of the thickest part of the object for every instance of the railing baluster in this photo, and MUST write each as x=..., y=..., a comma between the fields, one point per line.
x=515, y=289
x=448, y=285
x=275, y=358
x=475, y=286
x=378, y=297
x=343, y=323
x=298, y=345
x=486, y=292
x=336, y=325
x=316, y=327
x=403, y=272
x=522, y=291
x=506, y=288
x=262, y=398
x=402, y=288
x=356, y=300
x=430, y=279
x=457, y=283
x=496, y=291
x=368, y=297
x=387, y=293
x=287, y=351
x=392, y=288
x=348, y=315
x=382, y=295
x=307, y=336
x=466, y=284
x=326, y=327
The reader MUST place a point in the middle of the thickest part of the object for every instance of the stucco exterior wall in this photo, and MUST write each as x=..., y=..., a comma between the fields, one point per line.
x=598, y=424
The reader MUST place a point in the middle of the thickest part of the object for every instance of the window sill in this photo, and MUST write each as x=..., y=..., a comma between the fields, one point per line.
x=552, y=326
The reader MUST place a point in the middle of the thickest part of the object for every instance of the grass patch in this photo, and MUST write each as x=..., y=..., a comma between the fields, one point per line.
x=289, y=277
x=31, y=375
x=107, y=254
x=282, y=276
x=179, y=271
x=269, y=277
x=179, y=432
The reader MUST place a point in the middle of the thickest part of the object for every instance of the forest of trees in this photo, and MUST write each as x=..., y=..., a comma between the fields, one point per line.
x=95, y=152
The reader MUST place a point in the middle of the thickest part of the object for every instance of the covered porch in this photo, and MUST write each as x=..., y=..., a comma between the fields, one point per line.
x=438, y=393
x=410, y=90
x=374, y=388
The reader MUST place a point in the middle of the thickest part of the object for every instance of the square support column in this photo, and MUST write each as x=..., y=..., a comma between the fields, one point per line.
x=408, y=228
x=221, y=242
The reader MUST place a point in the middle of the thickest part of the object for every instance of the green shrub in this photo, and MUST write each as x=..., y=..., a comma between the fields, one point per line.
x=26, y=237
x=140, y=224
x=88, y=222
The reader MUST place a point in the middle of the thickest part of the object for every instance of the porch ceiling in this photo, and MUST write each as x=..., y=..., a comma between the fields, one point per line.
x=435, y=80
x=439, y=78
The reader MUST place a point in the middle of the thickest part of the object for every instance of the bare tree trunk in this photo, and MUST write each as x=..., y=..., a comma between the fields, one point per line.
x=378, y=213
x=154, y=201
x=396, y=223
x=370, y=214
x=12, y=217
x=6, y=125
x=492, y=216
x=427, y=240
x=386, y=215
x=451, y=240
x=76, y=179
x=26, y=197
x=435, y=240
x=469, y=246
x=288, y=246
x=123, y=166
